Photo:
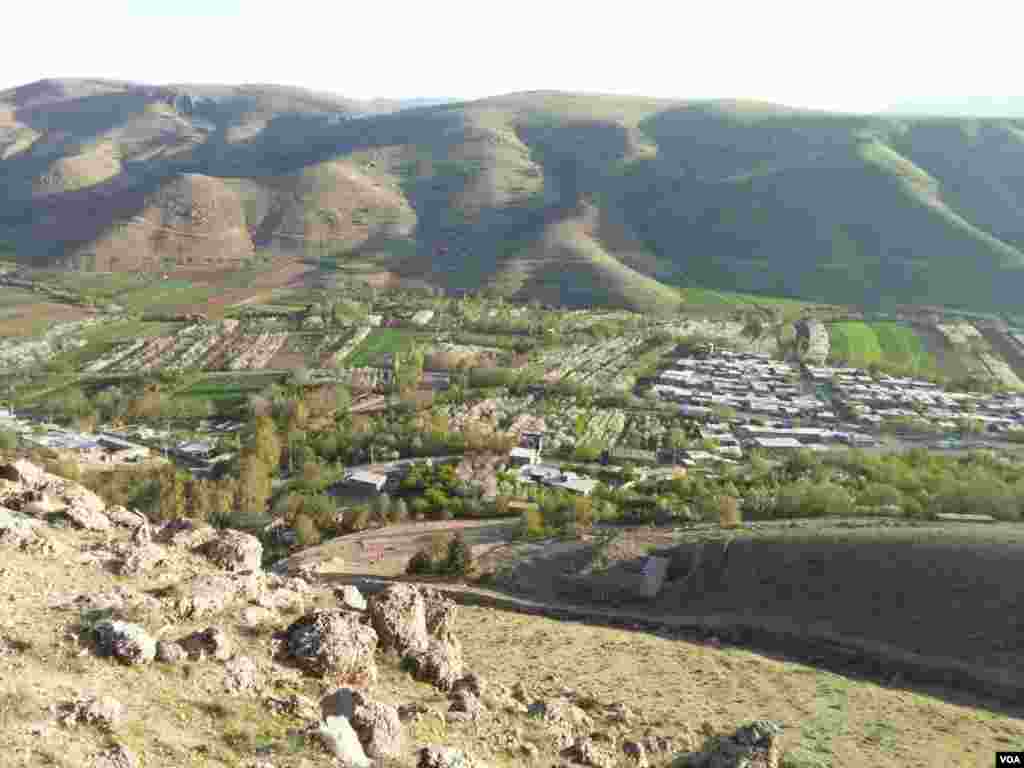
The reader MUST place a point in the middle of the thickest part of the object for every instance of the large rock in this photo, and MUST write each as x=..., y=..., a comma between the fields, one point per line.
x=182, y=533
x=350, y=597
x=124, y=517
x=379, y=729
x=24, y=472
x=15, y=529
x=87, y=517
x=135, y=559
x=440, y=612
x=439, y=664
x=211, y=642
x=129, y=643
x=753, y=746
x=234, y=551
x=334, y=644
x=564, y=720
x=103, y=712
x=205, y=595
x=342, y=741
x=586, y=752
x=399, y=617
x=241, y=676
x=170, y=652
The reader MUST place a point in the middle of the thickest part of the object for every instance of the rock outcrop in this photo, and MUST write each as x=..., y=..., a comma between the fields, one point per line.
x=234, y=551
x=753, y=746
x=335, y=645
x=128, y=643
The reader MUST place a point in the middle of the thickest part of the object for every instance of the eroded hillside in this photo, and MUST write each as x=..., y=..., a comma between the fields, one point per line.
x=568, y=198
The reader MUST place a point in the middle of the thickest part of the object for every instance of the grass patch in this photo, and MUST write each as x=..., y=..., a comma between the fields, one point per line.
x=854, y=343
x=383, y=341
x=887, y=344
x=827, y=723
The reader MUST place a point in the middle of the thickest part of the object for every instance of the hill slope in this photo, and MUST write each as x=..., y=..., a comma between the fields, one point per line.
x=565, y=197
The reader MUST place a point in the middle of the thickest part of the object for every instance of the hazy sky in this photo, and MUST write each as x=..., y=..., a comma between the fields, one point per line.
x=856, y=56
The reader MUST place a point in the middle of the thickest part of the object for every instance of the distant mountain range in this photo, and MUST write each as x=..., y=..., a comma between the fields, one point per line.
x=569, y=198
x=972, y=106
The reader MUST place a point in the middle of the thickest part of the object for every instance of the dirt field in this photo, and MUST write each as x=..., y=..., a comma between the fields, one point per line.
x=887, y=587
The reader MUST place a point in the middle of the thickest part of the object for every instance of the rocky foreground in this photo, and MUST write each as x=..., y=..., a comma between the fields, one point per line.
x=126, y=644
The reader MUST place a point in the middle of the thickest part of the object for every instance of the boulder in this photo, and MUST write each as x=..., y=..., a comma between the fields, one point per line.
x=465, y=706
x=293, y=705
x=440, y=613
x=439, y=664
x=399, y=617
x=350, y=597
x=124, y=517
x=334, y=644
x=379, y=729
x=134, y=559
x=234, y=551
x=117, y=756
x=24, y=472
x=341, y=741
x=182, y=533
x=255, y=615
x=241, y=676
x=564, y=720
x=446, y=757
x=472, y=683
x=87, y=517
x=752, y=746
x=205, y=595
x=586, y=752
x=103, y=712
x=15, y=529
x=129, y=643
x=211, y=642
x=169, y=652
x=636, y=754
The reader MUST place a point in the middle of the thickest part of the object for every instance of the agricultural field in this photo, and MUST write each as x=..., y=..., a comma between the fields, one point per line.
x=228, y=345
x=383, y=341
x=889, y=344
x=603, y=365
x=228, y=389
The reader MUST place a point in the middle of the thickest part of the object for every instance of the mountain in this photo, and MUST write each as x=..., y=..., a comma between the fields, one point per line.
x=567, y=198
x=969, y=106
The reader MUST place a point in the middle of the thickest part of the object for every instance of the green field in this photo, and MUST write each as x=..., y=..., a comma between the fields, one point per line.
x=383, y=341
x=889, y=345
x=229, y=389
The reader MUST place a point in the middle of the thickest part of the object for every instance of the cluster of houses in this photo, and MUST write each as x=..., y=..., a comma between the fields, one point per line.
x=872, y=400
x=748, y=383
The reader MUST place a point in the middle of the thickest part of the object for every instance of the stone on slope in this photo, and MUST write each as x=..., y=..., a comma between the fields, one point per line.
x=241, y=676
x=103, y=712
x=211, y=642
x=170, y=652
x=564, y=720
x=439, y=664
x=379, y=729
x=129, y=643
x=398, y=614
x=342, y=741
x=350, y=597
x=117, y=756
x=212, y=593
x=753, y=746
x=234, y=551
x=446, y=757
x=334, y=644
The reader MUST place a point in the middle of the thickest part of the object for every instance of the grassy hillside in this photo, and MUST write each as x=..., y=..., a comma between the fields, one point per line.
x=891, y=345
x=569, y=198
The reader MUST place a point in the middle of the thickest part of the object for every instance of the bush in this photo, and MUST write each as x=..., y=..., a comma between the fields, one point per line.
x=533, y=523
x=306, y=532
x=357, y=518
x=420, y=564
x=459, y=561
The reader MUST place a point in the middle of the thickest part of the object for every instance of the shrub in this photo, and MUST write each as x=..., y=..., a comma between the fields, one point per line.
x=459, y=561
x=729, y=512
x=306, y=531
x=357, y=518
x=420, y=564
x=533, y=523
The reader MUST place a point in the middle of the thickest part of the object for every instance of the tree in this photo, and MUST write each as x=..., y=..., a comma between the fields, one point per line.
x=266, y=442
x=254, y=486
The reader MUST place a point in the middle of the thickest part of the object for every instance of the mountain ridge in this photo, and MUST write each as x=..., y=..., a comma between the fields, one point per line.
x=573, y=198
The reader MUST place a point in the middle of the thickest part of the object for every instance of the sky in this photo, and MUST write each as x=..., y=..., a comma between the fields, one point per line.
x=858, y=57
